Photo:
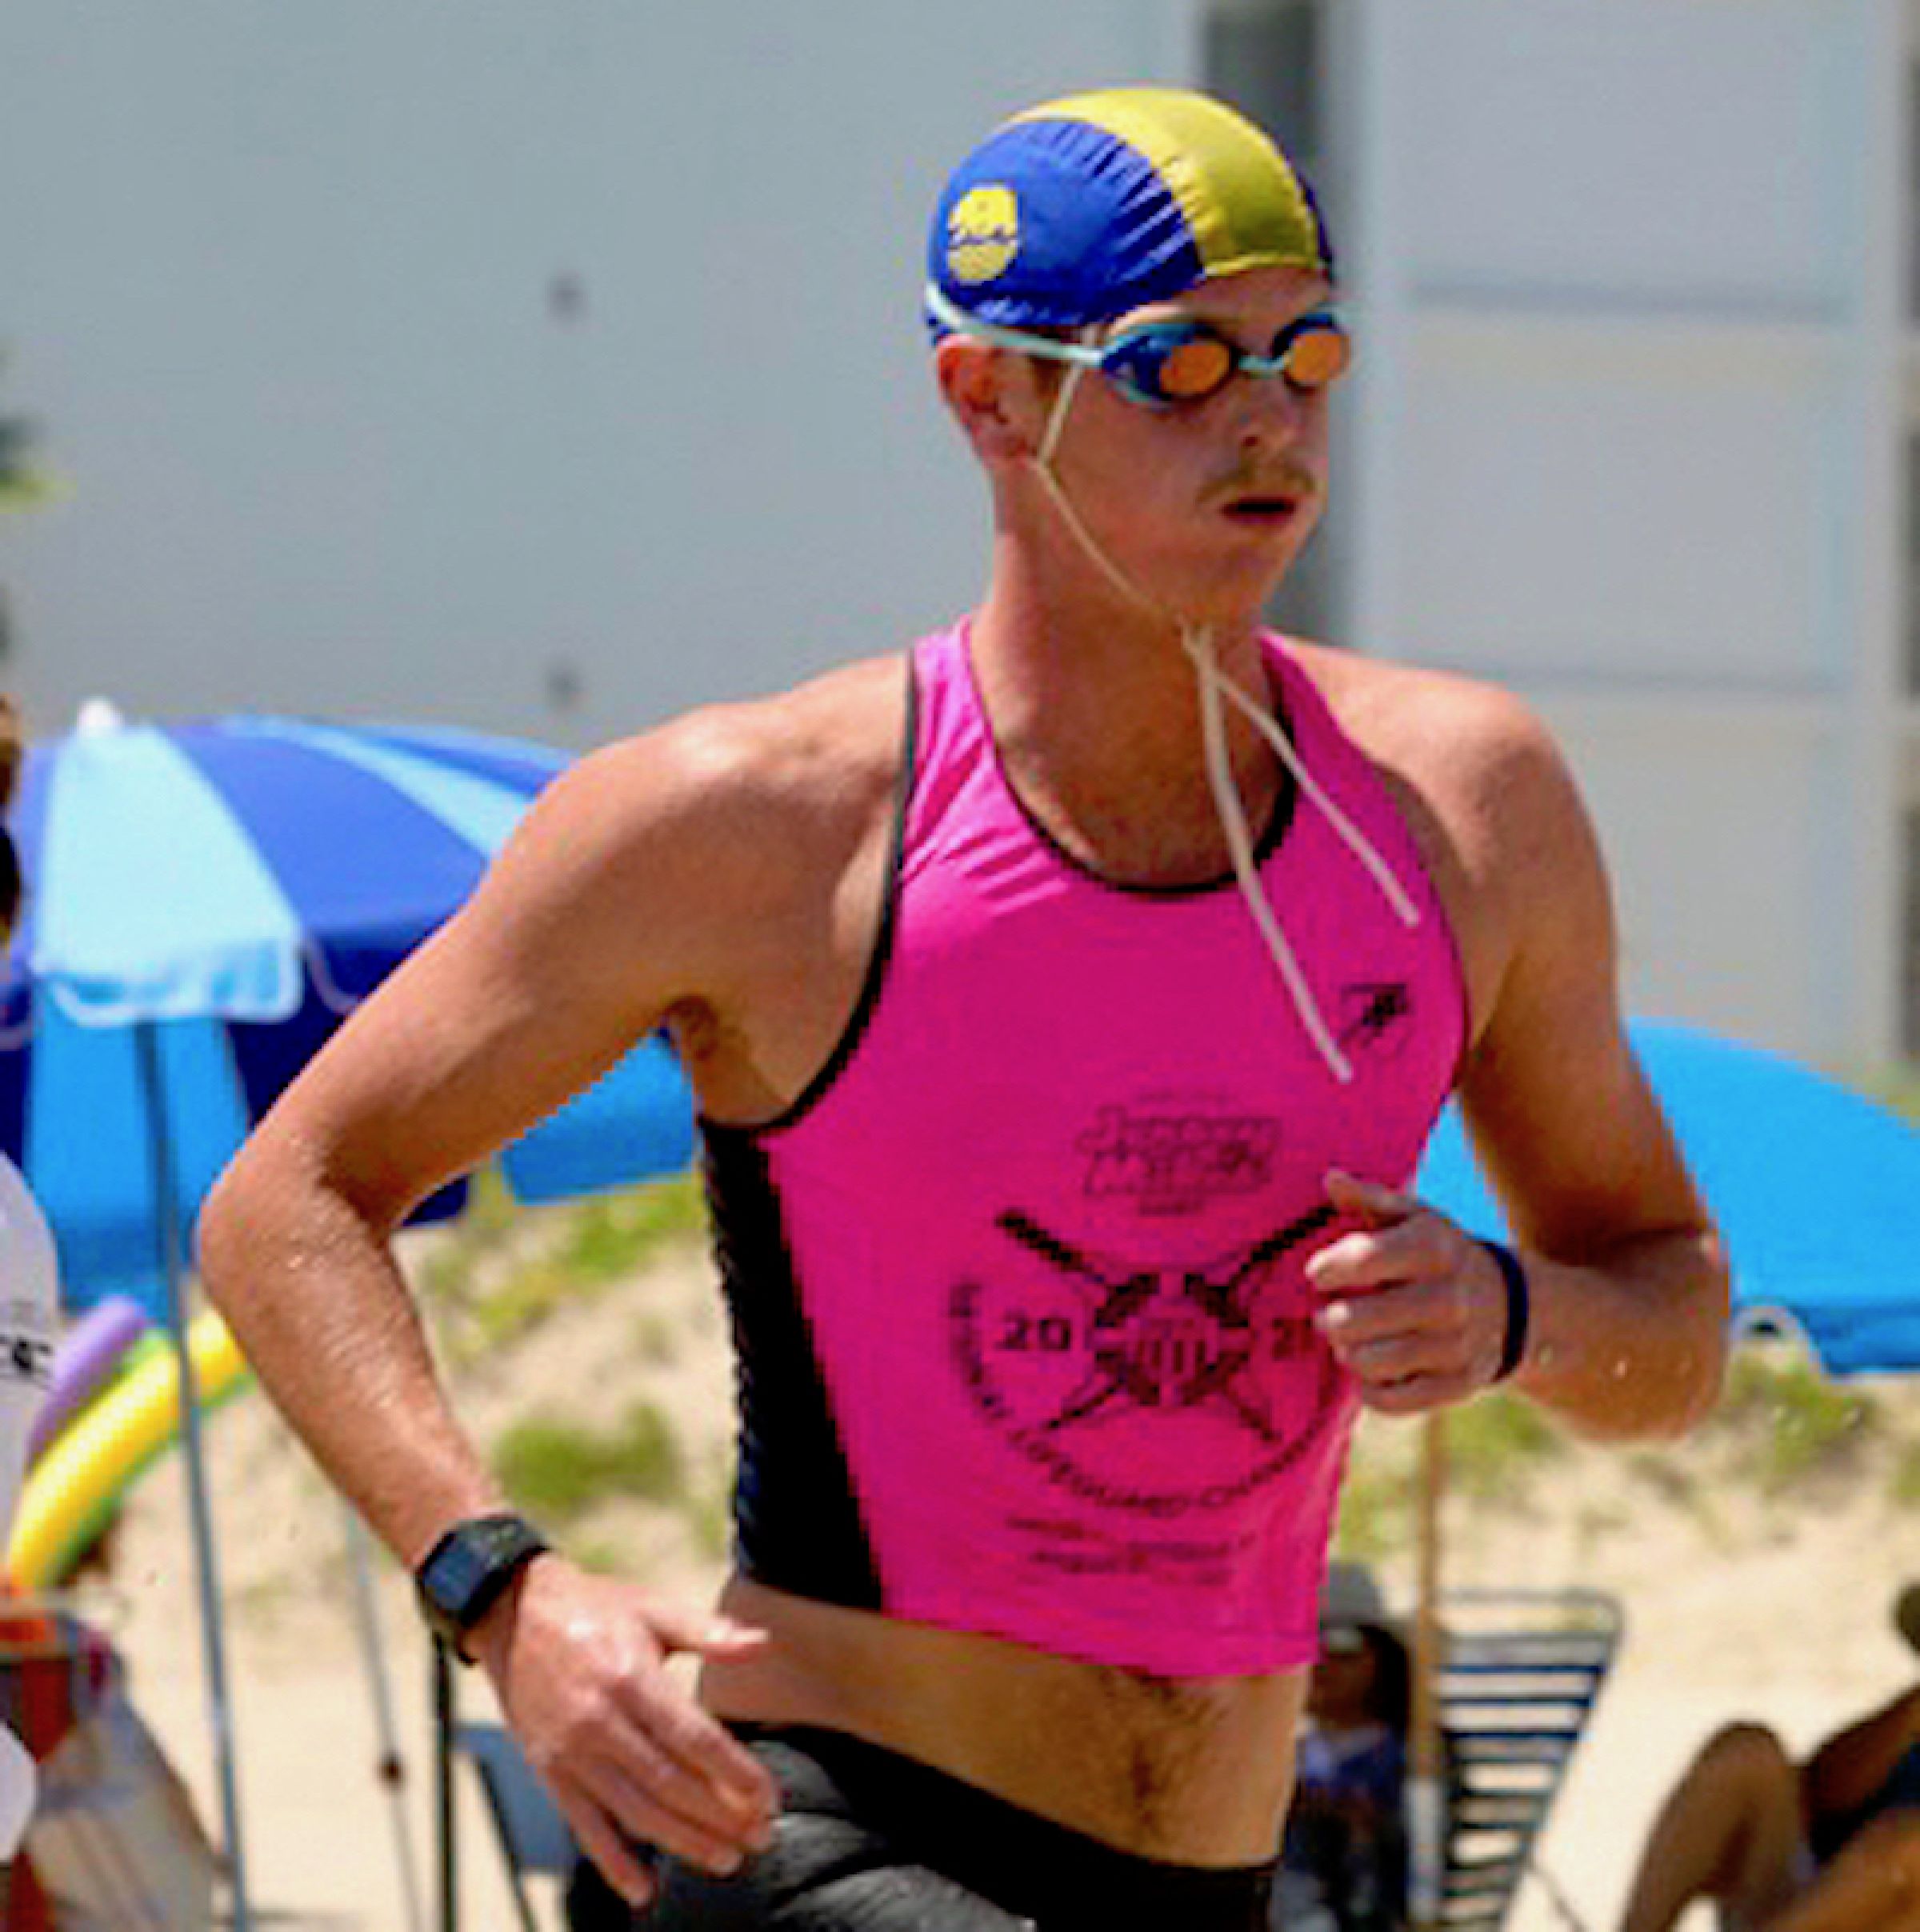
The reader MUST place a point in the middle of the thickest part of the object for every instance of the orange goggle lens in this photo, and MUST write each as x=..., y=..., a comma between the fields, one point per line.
x=1161, y=363
x=1194, y=368
x=1317, y=357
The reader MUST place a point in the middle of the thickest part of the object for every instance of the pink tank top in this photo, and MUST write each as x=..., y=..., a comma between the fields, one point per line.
x=1025, y=1346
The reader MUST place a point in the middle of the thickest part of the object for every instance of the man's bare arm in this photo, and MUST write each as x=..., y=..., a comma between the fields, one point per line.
x=1849, y=1768
x=1627, y=1287
x=608, y=909
x=534, y=990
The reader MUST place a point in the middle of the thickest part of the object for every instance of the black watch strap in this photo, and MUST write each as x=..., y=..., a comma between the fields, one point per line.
x=466, y=1573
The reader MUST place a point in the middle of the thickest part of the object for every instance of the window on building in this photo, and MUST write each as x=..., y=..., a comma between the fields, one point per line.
x=1269, y=58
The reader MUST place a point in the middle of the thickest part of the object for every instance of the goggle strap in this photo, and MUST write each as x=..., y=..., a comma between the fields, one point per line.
x=1056, y=417
x=1070, y=516
x=950, y=315
x=1197, y=643
x=1355, y=840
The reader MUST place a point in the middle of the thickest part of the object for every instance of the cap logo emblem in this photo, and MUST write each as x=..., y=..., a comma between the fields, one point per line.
x=982, y=233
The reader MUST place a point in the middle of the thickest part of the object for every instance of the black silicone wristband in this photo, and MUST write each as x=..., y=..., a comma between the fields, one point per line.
x=1519, y=1306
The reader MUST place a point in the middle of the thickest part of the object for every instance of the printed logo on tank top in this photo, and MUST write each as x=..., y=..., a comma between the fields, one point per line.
x=1375, y=1017
x=1174, y=1162
x=1135, y=1384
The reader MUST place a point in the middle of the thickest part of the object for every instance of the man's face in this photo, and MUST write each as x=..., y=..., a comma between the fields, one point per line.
x=1205, y=505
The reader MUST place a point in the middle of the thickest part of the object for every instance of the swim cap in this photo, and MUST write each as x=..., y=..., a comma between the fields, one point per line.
x=1087, y=207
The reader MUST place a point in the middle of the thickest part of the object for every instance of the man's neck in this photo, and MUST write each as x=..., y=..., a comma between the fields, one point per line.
x=1094, y=707
x=1052, y=647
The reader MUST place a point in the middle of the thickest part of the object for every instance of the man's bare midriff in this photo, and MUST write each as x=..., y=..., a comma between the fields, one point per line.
x=1194, y=1770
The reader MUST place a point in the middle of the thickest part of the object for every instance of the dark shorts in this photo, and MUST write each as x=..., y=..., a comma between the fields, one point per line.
x=871, y=1842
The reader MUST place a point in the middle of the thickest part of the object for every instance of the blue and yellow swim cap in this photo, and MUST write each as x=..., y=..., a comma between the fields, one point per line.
x=1087, y=207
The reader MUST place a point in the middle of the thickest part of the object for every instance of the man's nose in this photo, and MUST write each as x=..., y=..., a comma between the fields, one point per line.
x=1274, y=413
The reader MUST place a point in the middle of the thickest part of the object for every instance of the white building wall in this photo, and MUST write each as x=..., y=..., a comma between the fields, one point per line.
x=1630, y=450
x=551, y=369
x=546, y=368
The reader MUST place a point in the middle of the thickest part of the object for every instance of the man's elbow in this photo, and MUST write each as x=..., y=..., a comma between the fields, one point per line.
x=266, y=1211
x=1696, y=1360
x=230, y=1227
x=286, y=1212
x=1660, y=1378
x=1696, y=1389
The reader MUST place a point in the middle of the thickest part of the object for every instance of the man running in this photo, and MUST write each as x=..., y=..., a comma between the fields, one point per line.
x=1068, y=1000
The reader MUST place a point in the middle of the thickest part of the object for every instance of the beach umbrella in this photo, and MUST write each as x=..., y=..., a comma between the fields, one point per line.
x=1814, y=1187
x=205, y=901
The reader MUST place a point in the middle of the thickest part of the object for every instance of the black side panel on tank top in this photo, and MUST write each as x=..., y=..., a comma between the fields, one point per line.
x=796, y=1522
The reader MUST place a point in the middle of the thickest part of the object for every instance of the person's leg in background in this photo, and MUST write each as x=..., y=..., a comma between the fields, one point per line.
x=1732, y=1830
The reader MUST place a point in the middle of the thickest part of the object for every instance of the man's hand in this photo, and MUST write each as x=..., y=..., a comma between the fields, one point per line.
x=1412, y=1307
x=579, y=1664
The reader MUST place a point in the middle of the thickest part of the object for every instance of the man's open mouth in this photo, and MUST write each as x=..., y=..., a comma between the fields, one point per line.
x=1262, y=508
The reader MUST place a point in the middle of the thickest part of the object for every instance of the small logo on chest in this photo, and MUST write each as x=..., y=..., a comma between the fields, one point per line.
x=1374, y=1015
x=1174, y=1163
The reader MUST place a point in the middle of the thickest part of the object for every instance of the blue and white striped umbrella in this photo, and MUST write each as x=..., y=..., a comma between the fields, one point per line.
x=208, y=899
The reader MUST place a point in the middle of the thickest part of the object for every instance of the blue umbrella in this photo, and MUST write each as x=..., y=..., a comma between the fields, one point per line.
x=1814, y=1187
x=213, y=896
x=206, y=902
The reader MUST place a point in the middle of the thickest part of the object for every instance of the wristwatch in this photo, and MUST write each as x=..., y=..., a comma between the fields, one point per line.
x=462, y=1576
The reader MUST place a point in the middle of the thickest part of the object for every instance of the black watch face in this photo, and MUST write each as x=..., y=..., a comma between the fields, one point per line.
x=460, y=1576
x=457, y=1571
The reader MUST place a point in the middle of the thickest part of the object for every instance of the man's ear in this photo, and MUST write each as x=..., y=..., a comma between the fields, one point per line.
x=992, y=396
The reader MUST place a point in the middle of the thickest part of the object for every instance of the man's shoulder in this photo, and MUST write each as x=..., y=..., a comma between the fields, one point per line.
x=717, y=834
x=1471, y=748
x=1487, y=793
x=1440, y=716
x=824, y=751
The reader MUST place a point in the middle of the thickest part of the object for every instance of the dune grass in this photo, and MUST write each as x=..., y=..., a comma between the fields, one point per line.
x=557, y=1468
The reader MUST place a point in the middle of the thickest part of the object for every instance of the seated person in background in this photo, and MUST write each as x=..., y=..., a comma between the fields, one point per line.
x=1832, y=1845
x=1346, y=1832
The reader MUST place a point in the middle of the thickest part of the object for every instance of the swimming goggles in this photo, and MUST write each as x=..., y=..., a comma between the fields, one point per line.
x=1183, y=359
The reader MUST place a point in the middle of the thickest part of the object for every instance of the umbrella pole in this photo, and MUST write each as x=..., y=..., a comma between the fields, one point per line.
x=393, y=1767
x=443, y=1788
x=212, y=1636
x=1427, y=1785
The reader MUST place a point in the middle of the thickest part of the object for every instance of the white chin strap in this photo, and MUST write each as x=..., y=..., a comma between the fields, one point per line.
x=1216, y=691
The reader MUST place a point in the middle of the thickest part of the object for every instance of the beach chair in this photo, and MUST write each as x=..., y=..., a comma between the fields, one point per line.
x=532, y=1836
x=114, y=1840
x=1521, y=1671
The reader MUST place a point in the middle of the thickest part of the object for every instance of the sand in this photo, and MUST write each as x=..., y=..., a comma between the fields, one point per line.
x=1779, y=1613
